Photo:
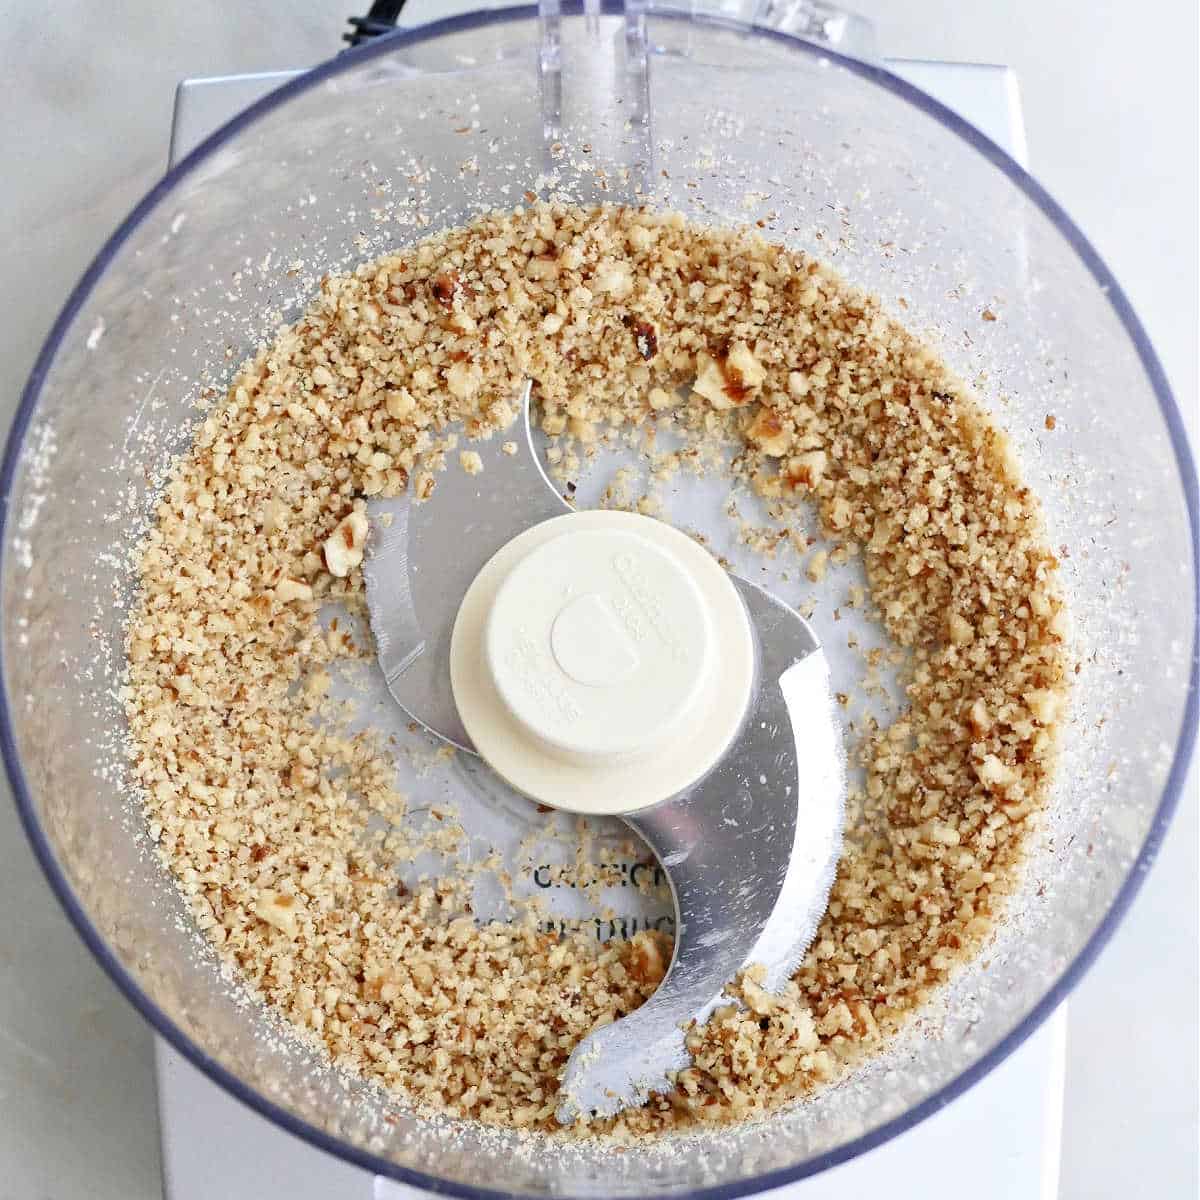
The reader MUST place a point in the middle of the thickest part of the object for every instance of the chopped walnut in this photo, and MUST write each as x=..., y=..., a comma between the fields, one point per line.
x=710, y=383
x=278, y=910
x=464, y=380
x=445, y=288
x=344, y=547
x=805, y=471
x=650, y=954
x=743, y=370
x=961, y=631
x=399, y=403
x=731, y=383
x=265, y=806
x=613, y=277
x=287, y=590
x=645, y=337
x=993, y=772
x=768, y=430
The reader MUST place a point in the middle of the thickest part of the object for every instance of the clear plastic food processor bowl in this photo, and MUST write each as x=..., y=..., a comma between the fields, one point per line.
x=727, y=123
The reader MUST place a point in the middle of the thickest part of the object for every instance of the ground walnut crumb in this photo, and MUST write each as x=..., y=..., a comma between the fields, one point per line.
x=620, y=317
x=471, y=462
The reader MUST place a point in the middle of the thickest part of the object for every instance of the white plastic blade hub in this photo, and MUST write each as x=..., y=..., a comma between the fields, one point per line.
x=602, y=662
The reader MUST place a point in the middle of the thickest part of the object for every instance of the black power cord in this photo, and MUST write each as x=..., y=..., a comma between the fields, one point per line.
x=381, y=19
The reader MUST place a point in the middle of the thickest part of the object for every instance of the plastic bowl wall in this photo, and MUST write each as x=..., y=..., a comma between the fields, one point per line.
x=834, y=157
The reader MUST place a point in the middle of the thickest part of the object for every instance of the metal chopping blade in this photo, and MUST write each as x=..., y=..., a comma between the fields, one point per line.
x=750, y=850
x=422, y=557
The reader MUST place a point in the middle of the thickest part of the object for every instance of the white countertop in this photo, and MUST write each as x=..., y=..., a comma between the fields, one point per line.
x=87, y=96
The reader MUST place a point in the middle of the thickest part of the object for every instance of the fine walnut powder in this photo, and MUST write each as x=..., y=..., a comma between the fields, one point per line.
x=259, y=798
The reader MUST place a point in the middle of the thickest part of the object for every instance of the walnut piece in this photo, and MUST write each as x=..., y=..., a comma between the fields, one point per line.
x=344, y=547
x=768, y=430
x=731, y=383
x=805, y=471
x=287, y=590
x=277, y=910
x=650, y=953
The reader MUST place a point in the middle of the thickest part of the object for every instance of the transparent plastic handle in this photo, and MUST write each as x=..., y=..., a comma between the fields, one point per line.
x=826, y=24
x=595, y=81
x=812, y=20
x=595, y=96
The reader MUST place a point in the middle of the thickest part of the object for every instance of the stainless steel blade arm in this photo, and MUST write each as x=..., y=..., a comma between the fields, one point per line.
x=750, y=852
x=422, y=557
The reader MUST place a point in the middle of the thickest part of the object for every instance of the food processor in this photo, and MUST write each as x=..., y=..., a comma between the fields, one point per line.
x=724, y=121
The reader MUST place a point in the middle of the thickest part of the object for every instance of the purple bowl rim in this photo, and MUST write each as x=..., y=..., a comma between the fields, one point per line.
x=932, y=108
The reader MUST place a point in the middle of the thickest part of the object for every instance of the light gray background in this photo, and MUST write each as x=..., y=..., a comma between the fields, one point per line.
x=1110, y=99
